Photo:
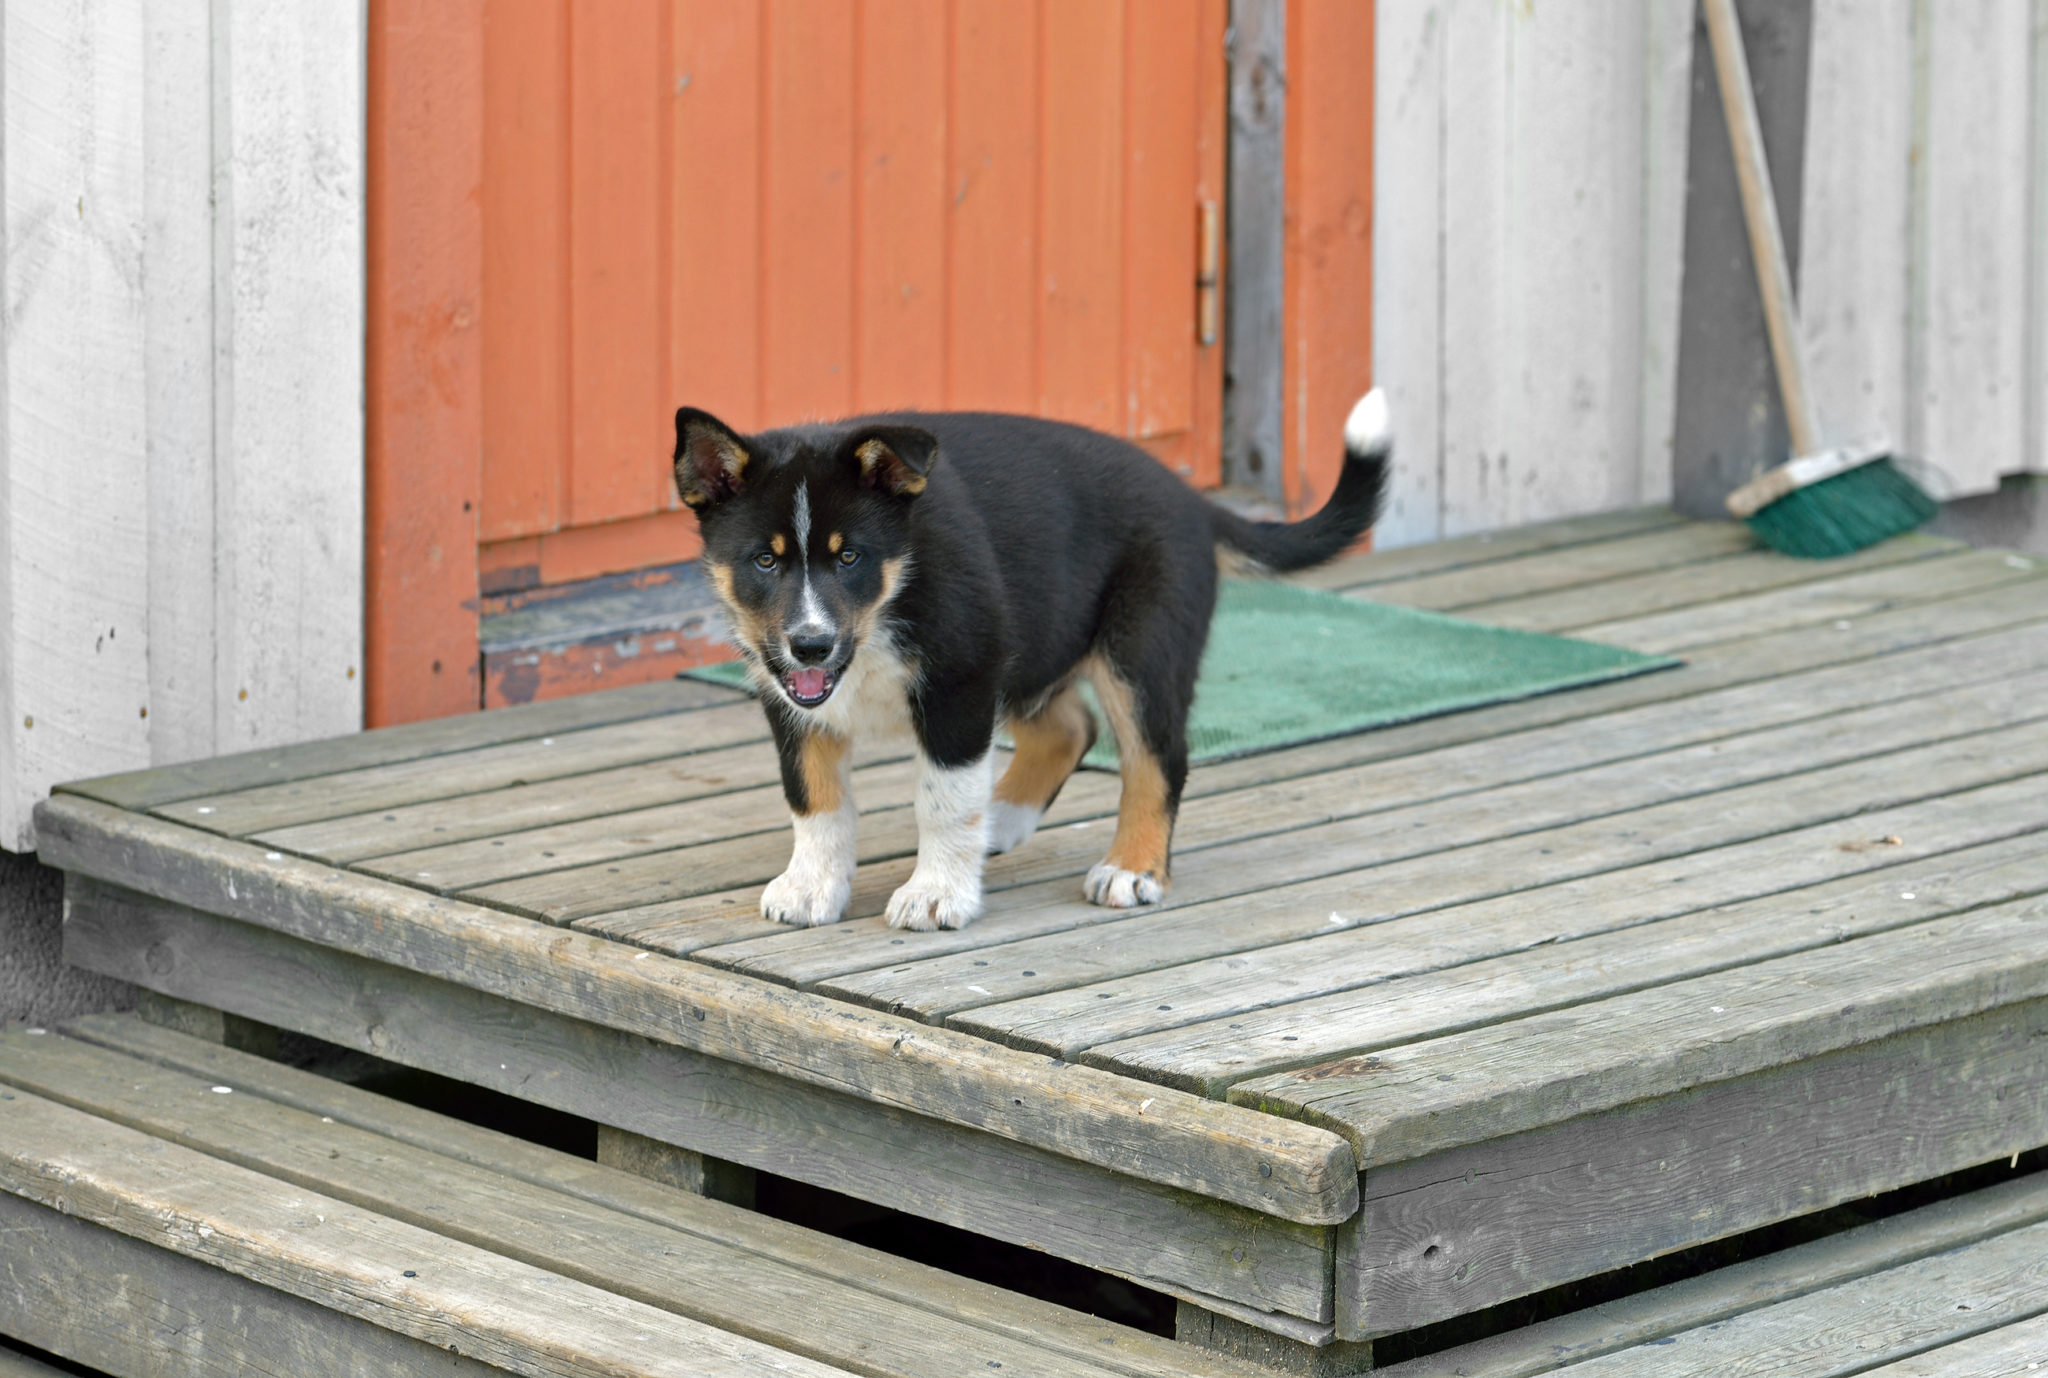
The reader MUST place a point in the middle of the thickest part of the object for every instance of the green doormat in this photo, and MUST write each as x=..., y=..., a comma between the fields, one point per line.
x=1287, y=665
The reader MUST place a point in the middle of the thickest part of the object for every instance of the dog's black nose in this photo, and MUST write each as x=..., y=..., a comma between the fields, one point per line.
x=810, y=649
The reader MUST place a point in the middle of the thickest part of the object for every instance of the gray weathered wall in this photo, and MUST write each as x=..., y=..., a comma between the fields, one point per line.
x=35, y=985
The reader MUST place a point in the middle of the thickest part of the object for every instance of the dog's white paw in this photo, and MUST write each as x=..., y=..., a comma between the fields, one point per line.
x=925, y=902
x=806, y=898
x=1010, y=825
x=1117, y=888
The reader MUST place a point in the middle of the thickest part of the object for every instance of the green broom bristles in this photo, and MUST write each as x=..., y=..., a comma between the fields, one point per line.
x=1844, y=514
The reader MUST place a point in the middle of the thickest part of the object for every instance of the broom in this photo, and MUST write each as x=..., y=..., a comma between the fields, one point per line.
x=1825, y=502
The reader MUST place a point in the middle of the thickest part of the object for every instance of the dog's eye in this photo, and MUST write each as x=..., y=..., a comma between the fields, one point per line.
x=764, y=560
x=849, y=557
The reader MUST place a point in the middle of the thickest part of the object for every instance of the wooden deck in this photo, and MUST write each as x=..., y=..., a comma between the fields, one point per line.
x=1437, y=1015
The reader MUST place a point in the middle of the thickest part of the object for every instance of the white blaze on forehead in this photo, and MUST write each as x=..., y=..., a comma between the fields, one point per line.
x=811, y=618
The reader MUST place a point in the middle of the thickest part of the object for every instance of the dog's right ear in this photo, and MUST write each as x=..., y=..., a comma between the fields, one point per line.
x=711, y=459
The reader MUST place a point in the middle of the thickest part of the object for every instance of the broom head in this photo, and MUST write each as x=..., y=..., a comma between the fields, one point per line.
x=1843, y=513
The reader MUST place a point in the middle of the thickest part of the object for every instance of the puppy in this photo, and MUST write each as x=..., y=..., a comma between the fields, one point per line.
x=945, y=573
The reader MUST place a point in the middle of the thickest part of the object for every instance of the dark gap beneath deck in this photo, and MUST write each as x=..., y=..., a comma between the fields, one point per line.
x=888, y=1231
x=1687, y=1263
x=1101, y=1294
x=10, y=1346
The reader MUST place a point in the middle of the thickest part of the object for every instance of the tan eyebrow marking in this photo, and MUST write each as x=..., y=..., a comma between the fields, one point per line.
x=779, y=543
x=837, y=541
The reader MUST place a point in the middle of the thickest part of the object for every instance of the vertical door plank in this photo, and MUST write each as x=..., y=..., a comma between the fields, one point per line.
x=1480, y=318
x=1973, y=274
x=618, y=429
x=992, y=289
x=425, y=370
x=1081, y=345
x=808, y=228
x=525, y=262
x=715, y=361
x=1667, y=111
x=1408, y=249
x=900, y=229
x=1212, y=114
x=177, y=175
x=74, y=491
x=1329, y=237
x=1159, y=219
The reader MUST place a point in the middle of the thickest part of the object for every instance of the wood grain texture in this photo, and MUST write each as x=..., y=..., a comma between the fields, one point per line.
x=1571, y=824
x=1209, y=1022
x=74, y=634
x=289, y=256
x=1162, y=1237
x=1508, y=1077
x=425, y=360
x=733, y=1287
x=100, y=1298
x=2003, y=1353
x=1512, y=1216
x=145, y=789
x=421, y=778
x=1454, y=589
x=1159, y=1136
x=1900, y=1313
x=349, y=1259
x=1724, y=1292
x=1270, y=1017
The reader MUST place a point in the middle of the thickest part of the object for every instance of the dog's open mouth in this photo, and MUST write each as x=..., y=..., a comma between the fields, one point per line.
x=809, y=687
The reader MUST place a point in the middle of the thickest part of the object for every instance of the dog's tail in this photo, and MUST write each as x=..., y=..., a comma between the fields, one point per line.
x=1361, y=489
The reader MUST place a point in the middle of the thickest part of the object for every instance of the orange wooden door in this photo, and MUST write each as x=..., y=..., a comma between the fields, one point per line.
x=791, y=209
x=773, y=209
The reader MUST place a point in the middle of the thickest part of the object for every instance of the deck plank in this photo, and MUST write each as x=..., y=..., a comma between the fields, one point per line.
x=1063, y=1109
x=2011, y=1351
x=1379, y=566
x=1471, y=1226
x=1714, y=667
x=852, y=1265
x=1610, y=815
x=145, y=789
x=1419, y=1098
x=1689, y=586
x=839, y=1139
x=1823, y=601
x=1453, y=590
x=722, y=1277
x=1922, y=1312
x=1207, y=817
x=1731, y=1291
x=351, y=1260
x=1322, y=998
x=482, y=768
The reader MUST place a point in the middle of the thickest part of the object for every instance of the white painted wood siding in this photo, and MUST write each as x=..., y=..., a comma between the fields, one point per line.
x=181, y=432
x=1924, y=240
x=1529, y=221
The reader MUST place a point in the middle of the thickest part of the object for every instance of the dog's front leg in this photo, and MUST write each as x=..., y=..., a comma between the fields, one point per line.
x=953, y=782
x=818, y=784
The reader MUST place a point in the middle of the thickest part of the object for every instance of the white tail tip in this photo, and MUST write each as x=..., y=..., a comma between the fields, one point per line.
x=1366, y=430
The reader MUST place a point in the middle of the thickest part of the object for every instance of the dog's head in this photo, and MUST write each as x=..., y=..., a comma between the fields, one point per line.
x=805, y=536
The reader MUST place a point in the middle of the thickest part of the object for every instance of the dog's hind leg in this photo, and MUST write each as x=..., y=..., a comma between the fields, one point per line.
x=1150, y=727
x=817, y=783
x=1050, y=743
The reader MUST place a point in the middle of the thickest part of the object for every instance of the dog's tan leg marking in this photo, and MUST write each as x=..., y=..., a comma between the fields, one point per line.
x=819, y=881
x=1135, y=871
x=1050, y=744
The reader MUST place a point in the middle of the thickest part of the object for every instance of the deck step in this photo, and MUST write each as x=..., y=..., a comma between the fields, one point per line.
x=237, y=1187
x=1956, y=1288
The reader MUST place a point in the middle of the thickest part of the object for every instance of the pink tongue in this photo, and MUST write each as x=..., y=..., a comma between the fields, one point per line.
x=807, y=684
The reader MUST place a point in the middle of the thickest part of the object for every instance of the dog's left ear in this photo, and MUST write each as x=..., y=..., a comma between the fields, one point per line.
x=711, y=460
x=896, y=459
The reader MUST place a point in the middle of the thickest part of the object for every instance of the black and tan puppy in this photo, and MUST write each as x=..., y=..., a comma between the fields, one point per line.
x=943, y=574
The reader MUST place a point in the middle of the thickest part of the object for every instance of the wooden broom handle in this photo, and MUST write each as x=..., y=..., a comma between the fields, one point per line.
x=1760, y=211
